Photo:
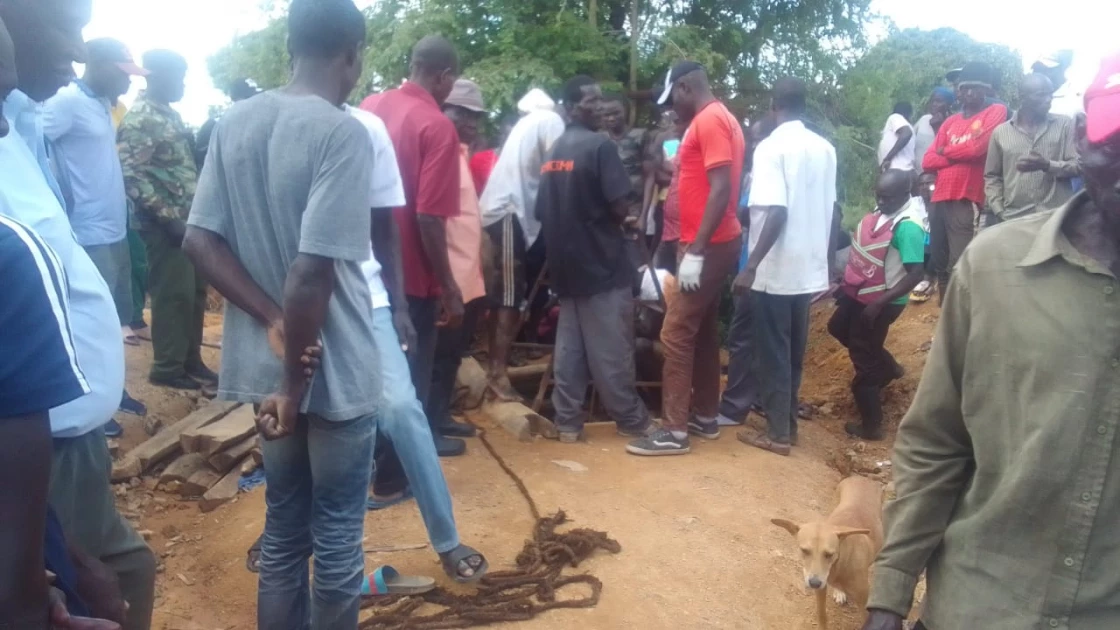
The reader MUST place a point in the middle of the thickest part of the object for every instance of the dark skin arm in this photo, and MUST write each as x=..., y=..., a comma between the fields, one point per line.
x=433, y=236
x=98, y=586
x=307, y=292
x=904, y=136
x=719, y=178
x=386, y=238
x=25, y=471
x=915, y=273
x=772, y=228
x=212, y=256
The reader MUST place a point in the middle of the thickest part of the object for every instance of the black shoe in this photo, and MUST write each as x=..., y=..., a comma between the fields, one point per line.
x=453, y=429
x=202, y=373
x=708, y=431
x=178, y=382
x=138, y=325
x=856, y=429
x=660, y=442
x=449, y=447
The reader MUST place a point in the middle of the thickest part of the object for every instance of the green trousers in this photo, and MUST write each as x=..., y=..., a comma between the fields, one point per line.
x=178, y=306
x=138, y=259
x=83, y=500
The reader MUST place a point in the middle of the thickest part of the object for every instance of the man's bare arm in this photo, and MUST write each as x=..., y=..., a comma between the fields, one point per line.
x=25, y=471
x=212, y=256
x=433, y=237
x=772, y=227
x=307, y=293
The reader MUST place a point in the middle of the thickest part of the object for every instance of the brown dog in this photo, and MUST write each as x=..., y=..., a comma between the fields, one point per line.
x=839, y=550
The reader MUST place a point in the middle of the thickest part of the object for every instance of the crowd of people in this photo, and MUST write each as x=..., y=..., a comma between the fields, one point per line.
x=359, y=249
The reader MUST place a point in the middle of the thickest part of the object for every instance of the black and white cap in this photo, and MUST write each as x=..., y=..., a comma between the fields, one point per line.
x=682, y=68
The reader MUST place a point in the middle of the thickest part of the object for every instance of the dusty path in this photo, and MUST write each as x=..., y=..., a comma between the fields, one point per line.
x=698, y=550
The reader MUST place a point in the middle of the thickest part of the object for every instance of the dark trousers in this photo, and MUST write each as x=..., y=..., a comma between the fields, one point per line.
x=874, y=365
x=781, y=330
x=952, y=224
x=451, y=345
x=390, y=477
x=178, y=307
x=86, y=507
x=742, y=388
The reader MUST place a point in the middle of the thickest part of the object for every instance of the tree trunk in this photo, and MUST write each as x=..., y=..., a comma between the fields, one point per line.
x=593, y=13
x=635, y=33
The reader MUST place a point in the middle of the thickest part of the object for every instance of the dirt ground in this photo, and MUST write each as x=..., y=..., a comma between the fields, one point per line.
x=698, y=550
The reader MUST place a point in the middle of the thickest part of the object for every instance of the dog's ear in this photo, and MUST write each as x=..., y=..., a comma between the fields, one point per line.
x=844, y=532
x=789, y=526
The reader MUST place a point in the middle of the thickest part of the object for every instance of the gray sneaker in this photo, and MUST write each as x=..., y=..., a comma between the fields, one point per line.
x=660, y=442
x=570, y=437
x=706, y=430
x=638, y=433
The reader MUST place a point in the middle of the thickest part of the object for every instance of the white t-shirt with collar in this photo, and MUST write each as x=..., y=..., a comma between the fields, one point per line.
x=794, y=168
x=386, y=192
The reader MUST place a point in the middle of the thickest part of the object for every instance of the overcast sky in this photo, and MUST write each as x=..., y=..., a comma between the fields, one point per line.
x=198, y=28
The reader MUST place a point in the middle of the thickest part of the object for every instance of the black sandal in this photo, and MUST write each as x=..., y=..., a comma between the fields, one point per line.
x=463, y=555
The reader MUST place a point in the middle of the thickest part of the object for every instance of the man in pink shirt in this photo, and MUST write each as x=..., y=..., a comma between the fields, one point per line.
x=465, y=108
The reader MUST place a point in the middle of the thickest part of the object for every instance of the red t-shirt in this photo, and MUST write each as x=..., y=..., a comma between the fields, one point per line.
x=427, y=148
x=960, y=166
x=482, y=164
x=713, y=139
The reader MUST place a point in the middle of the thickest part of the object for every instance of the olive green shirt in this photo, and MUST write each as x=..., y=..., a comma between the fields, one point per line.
x=1008, y=492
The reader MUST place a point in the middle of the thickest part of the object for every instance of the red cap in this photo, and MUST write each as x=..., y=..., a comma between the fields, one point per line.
x=1102, y=101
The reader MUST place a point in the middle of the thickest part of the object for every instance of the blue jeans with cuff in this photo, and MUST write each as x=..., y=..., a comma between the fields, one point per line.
x=316, y=498
x=401, y=419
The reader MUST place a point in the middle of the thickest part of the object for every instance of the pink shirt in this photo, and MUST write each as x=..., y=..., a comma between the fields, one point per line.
x=464, y=236
x=671, y=210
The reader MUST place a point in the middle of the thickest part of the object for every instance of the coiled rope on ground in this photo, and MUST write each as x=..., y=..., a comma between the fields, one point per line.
x=517, y=594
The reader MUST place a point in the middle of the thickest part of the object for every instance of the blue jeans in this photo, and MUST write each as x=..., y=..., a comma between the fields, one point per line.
x=316, y=498
x=401, y=419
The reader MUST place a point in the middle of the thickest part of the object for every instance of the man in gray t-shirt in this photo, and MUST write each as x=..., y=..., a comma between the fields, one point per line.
x=280, y=225
x=288, y=174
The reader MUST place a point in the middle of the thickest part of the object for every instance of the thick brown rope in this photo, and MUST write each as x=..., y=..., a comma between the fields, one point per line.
x=518, y=594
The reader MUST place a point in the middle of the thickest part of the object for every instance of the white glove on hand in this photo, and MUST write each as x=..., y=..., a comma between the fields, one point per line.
x=688, y=276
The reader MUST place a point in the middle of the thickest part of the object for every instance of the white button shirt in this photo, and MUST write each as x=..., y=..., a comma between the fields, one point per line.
x=794, y=168
x=29, y=195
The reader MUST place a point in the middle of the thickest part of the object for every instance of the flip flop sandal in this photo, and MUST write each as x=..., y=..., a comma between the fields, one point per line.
x=388, y=581
x=460, y=554
x=132, y=340
x=253, y=558
x=374, y=504
x=763, y=442
x=805, y=411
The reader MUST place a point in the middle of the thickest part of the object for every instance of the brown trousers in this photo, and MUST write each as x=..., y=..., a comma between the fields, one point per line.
x=690, y=336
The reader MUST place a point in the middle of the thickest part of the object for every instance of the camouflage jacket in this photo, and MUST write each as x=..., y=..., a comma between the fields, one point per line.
x=157, y=157
x=632, y=150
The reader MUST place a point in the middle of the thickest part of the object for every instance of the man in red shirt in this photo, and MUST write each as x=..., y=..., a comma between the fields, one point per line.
x=957, y=156
x=710, y=168
x=427, y=148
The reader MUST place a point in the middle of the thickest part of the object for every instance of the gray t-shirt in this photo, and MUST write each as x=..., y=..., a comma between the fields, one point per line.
x=287, y=175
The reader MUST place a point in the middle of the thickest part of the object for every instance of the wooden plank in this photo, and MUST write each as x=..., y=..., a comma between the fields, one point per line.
x=220, y=435
x=223, y=461
x=222, y=492
x=518, y=420
x=167, y=443
x=257, y=455
x=181, y=469
x=200, y=482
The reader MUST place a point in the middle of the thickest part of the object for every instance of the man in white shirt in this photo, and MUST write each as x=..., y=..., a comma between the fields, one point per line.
x=508, y=214
x=47, y=39
x=896, y=147
x=400, y=416
x=79, y=129
x=793, y=190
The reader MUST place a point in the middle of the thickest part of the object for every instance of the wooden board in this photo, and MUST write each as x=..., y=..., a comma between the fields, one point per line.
x=181, y=469
x=518, y=420
x=220, y=435
x=200, y=482
x=166, y=443
x=222, y=492
x=224, y=461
